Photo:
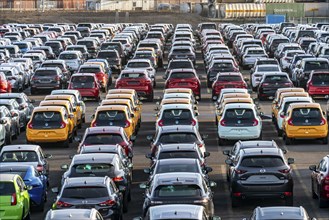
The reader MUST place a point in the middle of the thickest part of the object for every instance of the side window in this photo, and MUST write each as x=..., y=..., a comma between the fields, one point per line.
x=20, y=184
x=234, y=149
x=98, y=217
x=320, y=165
x=113, y=187
x=324, y=166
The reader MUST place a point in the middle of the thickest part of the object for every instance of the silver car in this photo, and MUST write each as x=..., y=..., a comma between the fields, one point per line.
x=69, y=214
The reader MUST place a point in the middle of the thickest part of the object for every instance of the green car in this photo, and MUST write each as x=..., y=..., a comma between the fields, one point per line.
x=14, y=198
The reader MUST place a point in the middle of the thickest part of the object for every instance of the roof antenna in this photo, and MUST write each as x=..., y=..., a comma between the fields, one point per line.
x=175, y=213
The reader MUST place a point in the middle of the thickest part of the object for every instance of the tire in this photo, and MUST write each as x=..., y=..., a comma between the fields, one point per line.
x=287, y=140
x=150, y=98
x=209, y=84
x=41, y=206
x=129, y=196
x=66, y=143
x=221, y=141
x=325, y=140
x=314, y=196
x=323, y=203
x=15, y=136
x=83, y=120
x=28, y=217
x=260, y=136
x=9, y=139
x=125, y=204
x=98, y=99
x=290, y=201
x=280, y=132
x=154, y=83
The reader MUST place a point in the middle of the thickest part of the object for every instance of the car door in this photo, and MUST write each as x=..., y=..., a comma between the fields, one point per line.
x=322, y=169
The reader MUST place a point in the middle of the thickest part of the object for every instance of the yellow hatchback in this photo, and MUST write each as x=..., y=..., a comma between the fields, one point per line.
x=49, y=124
x=305, y=121
x=114, y=115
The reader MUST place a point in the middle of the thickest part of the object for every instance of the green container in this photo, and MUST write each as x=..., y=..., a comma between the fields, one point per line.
x=288, y=9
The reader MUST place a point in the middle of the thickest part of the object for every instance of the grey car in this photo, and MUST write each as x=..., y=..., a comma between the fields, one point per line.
x=15, y=109
x=12, y=128
x=81, y=214
x=280, y=212
x=13, y=76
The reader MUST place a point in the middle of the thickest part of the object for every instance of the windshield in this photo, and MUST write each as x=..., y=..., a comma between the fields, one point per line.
x=172, y=138
x=87, y=43
x=268, y=69
x=107, y=55
x=82, y=82
x=306, y=117
x=229, y=78
x=19, y=156
x=276, y=78
x=93, y=139
x=87, y=192
x=177, y=191
x=178, y=65
x=89, y=70
x=320, y=79
x=45, y=73
x=169, y=168
x=111, y=118
x=262, y=161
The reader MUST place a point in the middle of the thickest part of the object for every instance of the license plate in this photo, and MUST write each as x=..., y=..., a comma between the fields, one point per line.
x=183, y=84
x=133, y=83
x=229, y=86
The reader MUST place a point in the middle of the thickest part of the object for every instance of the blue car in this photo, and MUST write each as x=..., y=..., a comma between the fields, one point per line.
x=31, y=177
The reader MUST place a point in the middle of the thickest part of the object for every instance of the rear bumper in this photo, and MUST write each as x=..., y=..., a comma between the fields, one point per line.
x=239, y=133
x=319, y=91
x=45, y=136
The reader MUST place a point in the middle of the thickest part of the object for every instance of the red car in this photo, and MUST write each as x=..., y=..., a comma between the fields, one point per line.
x=137, y=79
x=318, y=84
x=227, y=80
x=87, y=84
x=184, y=78
x=320, y=182
x=5, y=86
x=99, y=71
x=107, y=135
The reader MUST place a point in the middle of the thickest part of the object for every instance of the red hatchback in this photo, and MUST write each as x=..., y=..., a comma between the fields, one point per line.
x=318, y=84
x=137, y=79
x=100, y=73
x=5, y=86
x=87, y=84
x=184, y=78
x=227, y=80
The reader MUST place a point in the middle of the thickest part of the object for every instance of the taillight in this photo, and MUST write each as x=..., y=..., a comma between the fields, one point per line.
x=61, y=204
x=94, y=124
x=107, y=203
x=13, y=199
x=200, y=145
x=255, y=122
x=193, y=122
x=127, y=124
x=290, y=122
x=223, y=123
x=240, y=171
x=29, y=125
x=284, y=171
x=39, y=168
x=323, y=121
x=287, y=193
x=63, y=124
x=160, y=123
x=117, y=179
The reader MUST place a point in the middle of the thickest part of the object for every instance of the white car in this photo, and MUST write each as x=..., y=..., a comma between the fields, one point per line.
x=2, y=135
x=141, y=64
x=229, y=90
x=177, y=114
x=73, y=59
x=259, y=71
x=283, y=109
x=251, y=55
x=239, y=121
x=286, y=59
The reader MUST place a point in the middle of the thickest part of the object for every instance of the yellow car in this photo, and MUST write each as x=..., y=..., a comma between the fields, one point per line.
x=279, y=102
x=49, y=124
x=305, y=121
x=125, y=102
x=114, y=115
x=137, y=105
x=77, y=110
x=126, y=91
x=281, y=91
x=69, y=109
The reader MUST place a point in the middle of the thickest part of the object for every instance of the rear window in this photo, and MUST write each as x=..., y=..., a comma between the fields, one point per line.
x=316, y=65
x=177, y=138
x=88, y=192
x=178, y=154
x=306, y=116
x=46, y=120
x=94, y=169
x=133, y=75
x=262, y=161
x=68, y=56
x=45, y=73
x=255, y=52
x=169, y=168
x=107, y=55
x=276, y=78
x=276, y=42
x=182, y=75
x=7, y=188
x=176, y=117
x=229, y=78
x=89, y=70
x=320, y=79
x=238, y=117
x=181, y=51
x=138, y=65
x=94, y=139
x=268, y=69
x=111, y=118
x=264, y=62
x=178, y=65
x=53, y=65
x=53, y=45
x=19, y=156
x=87, y=43
x=82, y=82
x=178, y=190
x=223, y=66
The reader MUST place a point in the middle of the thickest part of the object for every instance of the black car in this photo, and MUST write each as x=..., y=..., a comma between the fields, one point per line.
x=93, y=192
x=240, y=145
x=260, y=173
x=113, y=58
x=178, y=64
x=118, y=47
x=271, y=82
x=178, y=188
x=56, y=46
x=102, y=164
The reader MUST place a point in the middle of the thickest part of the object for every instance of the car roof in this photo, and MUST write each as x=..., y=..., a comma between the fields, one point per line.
x=173, y=161
x=177, y=147
x=48, y=108
x=176, y=211
x=18, y=167
x=93, y=158
x=6, y=101
x=281, y=212
x=13, y=95
x=83, y=181
x=20, y=147
x=239, y=105
x=305, y=105
x=63, y=214
x=101, y=148
x=83, y=74
x=178, y=128
x=112, y=107
x=260, y=151
x=104, y=129
x=176, y=106
x=257, y=143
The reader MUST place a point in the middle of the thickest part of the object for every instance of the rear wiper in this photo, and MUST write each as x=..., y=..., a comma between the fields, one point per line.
x=256, y=166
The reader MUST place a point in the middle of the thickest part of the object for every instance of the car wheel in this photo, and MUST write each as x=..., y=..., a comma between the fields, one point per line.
x=83, y=120
x=129, y=196
x=125, y=204
x=314, y=196
x=290, y=201
x=235, y=202
x=209, y=84
x=323, y=203
x=98, y=99
x=66, y=143
x=41, y=206
x=280, y=132
x=28, y=216
x=150, y=98
x=15, y=134
x=287, y=140
x=325, y=140
x=221, y=141
x=154, y=83
x=260, y=136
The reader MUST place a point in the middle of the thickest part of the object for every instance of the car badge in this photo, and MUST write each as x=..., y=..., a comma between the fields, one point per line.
x=306, y=120
x=111, y=123
x=46, y=124
x=239, y=122
x=262, y=170
x=176, y=122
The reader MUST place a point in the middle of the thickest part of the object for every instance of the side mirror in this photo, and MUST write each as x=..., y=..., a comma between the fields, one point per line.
x=143, y=186
x=32, y=101
x=196, y=113
x=71, y=115
x=3, y=121
x=291, y=160
x=133, y=138
x=229, y=162
x=206, y=154
x=312, y=167
x=208, y=169
x=156, y=108
x=28, y=187
x=226, y=152
x=77, y=139
x=48, y=156
x=132, y=115
x=148, y=156
x=137, y=218
x=216, y=218
x=164, y=77
x=149, y=137
x=64, y=167
x=130, y=165
x=55, y=190
x=204, y=136
x=165, y=67
x=147, y=170
x=71, y=156
x=212, y=184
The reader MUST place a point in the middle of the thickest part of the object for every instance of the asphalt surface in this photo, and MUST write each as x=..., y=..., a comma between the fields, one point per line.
x=305, y=153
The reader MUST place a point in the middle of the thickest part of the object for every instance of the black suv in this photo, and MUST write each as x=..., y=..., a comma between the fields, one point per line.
x=260, y=173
